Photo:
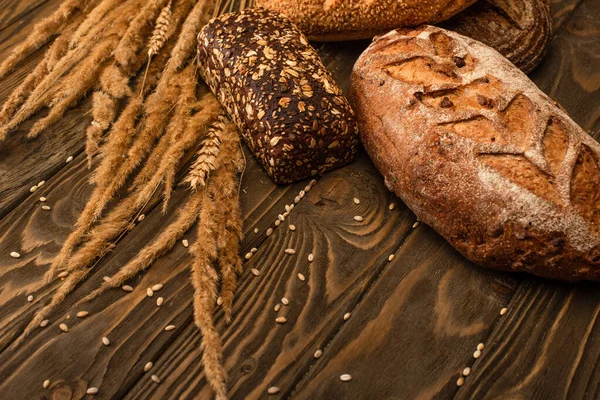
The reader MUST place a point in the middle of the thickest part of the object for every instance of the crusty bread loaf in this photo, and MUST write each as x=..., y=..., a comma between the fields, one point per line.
x=519, y=29
x=287, y=106
x=478, y=152
x=334, y=20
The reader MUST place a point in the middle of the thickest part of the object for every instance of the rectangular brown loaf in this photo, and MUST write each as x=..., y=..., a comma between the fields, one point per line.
x=478, y=152
x=289, y=109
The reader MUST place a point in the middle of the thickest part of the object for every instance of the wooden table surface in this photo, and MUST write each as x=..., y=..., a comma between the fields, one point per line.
x=415, y=321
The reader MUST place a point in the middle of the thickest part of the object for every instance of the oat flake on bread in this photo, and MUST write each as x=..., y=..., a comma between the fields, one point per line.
x=479, y=153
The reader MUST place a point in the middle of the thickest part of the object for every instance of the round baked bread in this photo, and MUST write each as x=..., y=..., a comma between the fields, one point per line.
x=479, y=153
x=519, y=29
x=335, y=20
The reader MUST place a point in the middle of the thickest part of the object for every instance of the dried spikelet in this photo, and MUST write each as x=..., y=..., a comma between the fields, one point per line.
x=42, y=32
x=128, y=53
x=56, y=51
x=205, y=157
x=92, y=20
x=186, y=43
x=117, y=145
x=204, y=280
x=160, y=245
x=39, y=96
x=230, y=235
x=93, y=134
x=198, y=125
x=114, y=82
x=104, y=109
x=182, y=137
x=76, y=85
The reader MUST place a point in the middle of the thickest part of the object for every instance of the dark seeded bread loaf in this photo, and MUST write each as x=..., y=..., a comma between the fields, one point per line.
x=519, y=29
x=290, y=111
x=478, y=152
x=334, y=20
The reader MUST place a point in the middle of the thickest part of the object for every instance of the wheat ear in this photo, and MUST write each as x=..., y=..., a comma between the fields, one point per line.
x=158, y=38
x=206, y=155
x=204, y=276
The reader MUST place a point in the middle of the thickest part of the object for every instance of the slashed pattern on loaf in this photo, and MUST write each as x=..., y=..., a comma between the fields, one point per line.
x=527, y=150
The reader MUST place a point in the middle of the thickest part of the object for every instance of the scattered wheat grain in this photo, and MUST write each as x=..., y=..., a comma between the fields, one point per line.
x=43, y=199
x=148, y=366
x=63, y=327
x=356, y=201
x=277, y=307
x=466, y=371
x=480, y=346
x=273, y=390
x=44, y=323
x=105, y=341
x=290, y=251
x=30, y=298
x=46, y=384
x=155, y=379
x=285, y=301
x=82, y=314
x=301, y=277
x=255, y=272
x=281, y=320
x=127, y=288
x=149, y=292
x=477, y=354
x=69, y=159
x=45, y=208
x=503, y=311
x=392, y=206
x=345, y=377
x=157, y=287
x=318, y=353
x=185, y=243
x=460, y=381
x=169, y=328
x=159, y=301
x=14, y=254
x=92, y=390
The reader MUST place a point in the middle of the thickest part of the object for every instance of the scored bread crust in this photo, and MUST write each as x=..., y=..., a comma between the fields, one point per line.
x=336, y=20
x=479, y=153
x=520, y=30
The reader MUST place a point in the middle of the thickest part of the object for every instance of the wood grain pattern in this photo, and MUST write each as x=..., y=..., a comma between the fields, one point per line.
x=349, y=256
x=421, y=322
x=415, y=321
x=41, y=158
x=15, y=10
x=133, y=322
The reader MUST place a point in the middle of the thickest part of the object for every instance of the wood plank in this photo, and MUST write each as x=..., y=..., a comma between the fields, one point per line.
x=415, y=330
x=43, y=157
x=548, y=347
x=134, y=324
x=570, y=72
x=14, y=10
x=348, y=256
